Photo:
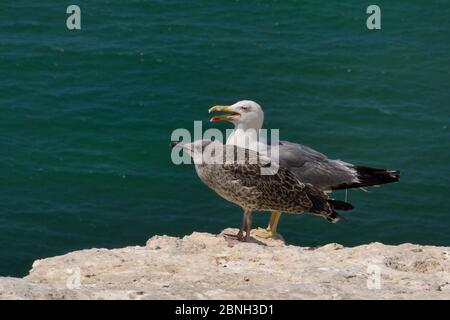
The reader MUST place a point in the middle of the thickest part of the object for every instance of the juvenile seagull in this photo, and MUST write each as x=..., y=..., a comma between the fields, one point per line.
x=235, y=174
x=310, y=166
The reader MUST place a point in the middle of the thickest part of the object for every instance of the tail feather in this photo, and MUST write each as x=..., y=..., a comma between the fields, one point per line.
x=337, y=205
x=371, y=177
x=333, y=217
x=340, y=205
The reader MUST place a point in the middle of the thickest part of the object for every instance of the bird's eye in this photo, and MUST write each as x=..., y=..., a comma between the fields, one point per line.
x=245, y=108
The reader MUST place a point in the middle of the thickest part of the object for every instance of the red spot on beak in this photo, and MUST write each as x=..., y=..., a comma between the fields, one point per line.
x=215, y=119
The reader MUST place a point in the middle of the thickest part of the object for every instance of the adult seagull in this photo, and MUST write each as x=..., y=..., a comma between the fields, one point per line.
x=310, y=166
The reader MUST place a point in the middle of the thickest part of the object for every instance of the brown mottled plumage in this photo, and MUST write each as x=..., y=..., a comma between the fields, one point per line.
x=235, y=174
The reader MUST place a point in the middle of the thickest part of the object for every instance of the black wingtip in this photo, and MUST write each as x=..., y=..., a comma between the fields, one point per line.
x=371, y=177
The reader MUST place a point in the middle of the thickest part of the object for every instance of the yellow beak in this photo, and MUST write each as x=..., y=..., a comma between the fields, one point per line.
x=227, y=117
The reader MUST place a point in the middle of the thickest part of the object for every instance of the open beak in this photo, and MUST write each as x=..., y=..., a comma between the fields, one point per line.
x=228, y=117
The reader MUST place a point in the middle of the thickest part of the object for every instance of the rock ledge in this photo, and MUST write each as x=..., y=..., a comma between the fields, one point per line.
x=206, y=266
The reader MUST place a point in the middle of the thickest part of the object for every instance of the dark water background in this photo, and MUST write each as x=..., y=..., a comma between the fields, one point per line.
x=86, y=116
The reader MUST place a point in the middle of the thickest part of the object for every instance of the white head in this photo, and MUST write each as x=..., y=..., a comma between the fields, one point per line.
x=244, y=114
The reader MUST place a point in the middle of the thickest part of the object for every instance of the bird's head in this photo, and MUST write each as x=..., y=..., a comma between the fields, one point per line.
x=244, y=114
x=194, y=149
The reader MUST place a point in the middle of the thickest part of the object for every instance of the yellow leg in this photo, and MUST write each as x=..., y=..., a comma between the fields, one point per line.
x=271, y=230
x=273, y=222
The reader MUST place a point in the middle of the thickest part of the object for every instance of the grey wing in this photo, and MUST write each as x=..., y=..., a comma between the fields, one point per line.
x=311, y=166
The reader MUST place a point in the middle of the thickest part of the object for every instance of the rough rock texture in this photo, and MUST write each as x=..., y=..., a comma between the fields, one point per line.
x=206, y=266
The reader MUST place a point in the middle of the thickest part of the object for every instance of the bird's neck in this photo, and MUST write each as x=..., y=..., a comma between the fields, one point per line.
x=244, y=137
x=247, y=126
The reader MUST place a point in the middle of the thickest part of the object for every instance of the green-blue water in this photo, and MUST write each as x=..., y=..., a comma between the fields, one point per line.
x=86, y=116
